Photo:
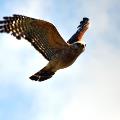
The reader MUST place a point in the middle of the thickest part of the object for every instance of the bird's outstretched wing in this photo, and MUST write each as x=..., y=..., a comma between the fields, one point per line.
x=84, y=24
x=41, y=34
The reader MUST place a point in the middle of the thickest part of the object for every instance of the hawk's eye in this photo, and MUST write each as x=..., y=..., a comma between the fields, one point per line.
x=82, y=45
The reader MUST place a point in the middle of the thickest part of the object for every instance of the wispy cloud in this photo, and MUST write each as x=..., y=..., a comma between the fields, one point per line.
x=88, y=90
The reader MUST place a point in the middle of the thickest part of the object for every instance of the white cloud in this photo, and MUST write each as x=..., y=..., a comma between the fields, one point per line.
x=97, y=94
x=87, y=90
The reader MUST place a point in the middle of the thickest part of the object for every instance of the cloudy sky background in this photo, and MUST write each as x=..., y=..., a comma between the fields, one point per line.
x=87, y=90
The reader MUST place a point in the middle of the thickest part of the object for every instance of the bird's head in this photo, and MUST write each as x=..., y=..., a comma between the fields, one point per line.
x=79, y=46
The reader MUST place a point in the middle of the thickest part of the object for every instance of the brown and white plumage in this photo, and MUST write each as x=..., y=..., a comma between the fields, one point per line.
x=46, y=39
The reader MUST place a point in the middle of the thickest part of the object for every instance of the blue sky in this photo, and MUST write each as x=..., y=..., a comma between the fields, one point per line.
x=87, y=90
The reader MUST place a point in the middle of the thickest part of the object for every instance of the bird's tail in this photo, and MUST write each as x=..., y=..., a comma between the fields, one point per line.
x=42, y=75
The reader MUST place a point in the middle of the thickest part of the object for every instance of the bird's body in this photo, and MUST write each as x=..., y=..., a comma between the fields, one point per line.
x=46, y=39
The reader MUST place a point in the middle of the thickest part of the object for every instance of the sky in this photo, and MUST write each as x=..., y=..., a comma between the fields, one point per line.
x=87, y=90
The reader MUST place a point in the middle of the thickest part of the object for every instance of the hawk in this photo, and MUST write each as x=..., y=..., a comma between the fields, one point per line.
x=45, y=38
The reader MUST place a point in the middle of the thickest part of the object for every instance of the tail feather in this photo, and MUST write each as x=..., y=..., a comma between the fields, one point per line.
x=42, y=75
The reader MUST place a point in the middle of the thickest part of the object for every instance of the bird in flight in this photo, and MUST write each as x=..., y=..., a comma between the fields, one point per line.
x=45, y=38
